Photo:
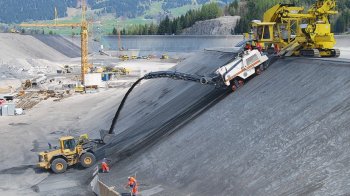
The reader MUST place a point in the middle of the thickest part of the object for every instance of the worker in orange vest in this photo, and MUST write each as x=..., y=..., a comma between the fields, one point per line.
x=104, y=164
x=277, y=49
x=259, y=47
x=247, y=46
x=132, y=183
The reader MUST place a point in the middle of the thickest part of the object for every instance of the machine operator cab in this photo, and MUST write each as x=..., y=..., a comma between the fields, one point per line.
x=261, y=31
x=68, y=144
x=265, y=34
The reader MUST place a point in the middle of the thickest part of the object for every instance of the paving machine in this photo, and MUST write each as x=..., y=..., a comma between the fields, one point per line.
x=246, y=64
x=70, y=152
x=290, y=31
x=233, y=74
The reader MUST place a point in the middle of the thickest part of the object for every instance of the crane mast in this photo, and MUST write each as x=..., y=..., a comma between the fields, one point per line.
x=84, y=42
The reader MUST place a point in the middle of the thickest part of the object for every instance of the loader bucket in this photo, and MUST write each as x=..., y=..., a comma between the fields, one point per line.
x=106, y=137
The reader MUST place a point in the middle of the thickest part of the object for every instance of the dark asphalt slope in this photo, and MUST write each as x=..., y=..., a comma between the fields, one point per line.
x=60, y=44
x=156, y=108
x=285, y=133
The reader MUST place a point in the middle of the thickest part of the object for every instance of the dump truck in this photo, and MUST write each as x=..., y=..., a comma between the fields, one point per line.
x=71, y=151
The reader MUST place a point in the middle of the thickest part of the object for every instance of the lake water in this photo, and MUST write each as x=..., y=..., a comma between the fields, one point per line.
x=169, y=43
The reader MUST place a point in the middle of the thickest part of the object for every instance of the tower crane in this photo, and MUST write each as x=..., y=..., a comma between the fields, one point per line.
x=84, y=25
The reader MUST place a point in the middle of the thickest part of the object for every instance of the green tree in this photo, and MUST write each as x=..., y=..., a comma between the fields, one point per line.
x=164, y=26
x=232, y=8
x=152, y=30
x=123, y=31
x=114, y=32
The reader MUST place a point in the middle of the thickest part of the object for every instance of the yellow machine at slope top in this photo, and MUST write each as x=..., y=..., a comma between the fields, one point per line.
x=294, y=32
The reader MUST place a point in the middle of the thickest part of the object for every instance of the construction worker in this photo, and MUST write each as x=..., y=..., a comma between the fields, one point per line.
x=259, y=47
x=104, y=164
x=248, y=46
x=277, y=50
x=132, y=183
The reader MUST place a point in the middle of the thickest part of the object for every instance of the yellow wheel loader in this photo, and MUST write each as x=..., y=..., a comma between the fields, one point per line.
x=70, y=152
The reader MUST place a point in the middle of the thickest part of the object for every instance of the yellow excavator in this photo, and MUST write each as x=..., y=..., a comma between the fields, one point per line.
x=290, y=31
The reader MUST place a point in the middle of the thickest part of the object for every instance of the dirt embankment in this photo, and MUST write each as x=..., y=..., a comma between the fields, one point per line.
x=24, y=56
x=218, y=26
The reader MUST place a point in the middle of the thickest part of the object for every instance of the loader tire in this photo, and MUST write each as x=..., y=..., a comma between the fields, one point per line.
x=59, y=165
x=87, y=160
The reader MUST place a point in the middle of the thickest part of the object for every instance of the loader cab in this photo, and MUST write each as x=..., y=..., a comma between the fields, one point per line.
x=68, y=144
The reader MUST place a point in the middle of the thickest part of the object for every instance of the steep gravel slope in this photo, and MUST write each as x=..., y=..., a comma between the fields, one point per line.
x=61, y=44
x=285, y=133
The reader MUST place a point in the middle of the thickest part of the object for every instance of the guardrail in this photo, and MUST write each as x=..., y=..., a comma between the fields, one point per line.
x=99, y=188
x=107, y=191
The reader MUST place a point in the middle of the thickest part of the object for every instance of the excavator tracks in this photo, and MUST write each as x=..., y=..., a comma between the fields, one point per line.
x=310, y=53
x=336, y=53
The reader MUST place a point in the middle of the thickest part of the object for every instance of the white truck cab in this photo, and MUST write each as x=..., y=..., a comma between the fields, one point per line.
x=245, y=65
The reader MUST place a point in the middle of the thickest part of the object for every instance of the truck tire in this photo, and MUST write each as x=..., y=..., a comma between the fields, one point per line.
x=59, y=165
x=87, y=159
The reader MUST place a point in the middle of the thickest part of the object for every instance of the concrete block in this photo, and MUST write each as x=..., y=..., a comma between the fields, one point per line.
x=4, y=110
x=11, y=107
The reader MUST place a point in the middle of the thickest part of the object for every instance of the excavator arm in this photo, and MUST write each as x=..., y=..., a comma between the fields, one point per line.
x=324, y=7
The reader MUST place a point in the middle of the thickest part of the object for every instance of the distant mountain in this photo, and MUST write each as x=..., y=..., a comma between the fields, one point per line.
x=16, y=11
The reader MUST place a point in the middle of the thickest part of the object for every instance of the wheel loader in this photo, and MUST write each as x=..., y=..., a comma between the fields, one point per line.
x=71, y=151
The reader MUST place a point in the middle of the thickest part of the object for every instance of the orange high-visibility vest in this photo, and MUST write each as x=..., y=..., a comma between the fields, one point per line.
x=277, y=49
x=105, y=166
x=134, y=189
x=132, y=181
x=258, y=46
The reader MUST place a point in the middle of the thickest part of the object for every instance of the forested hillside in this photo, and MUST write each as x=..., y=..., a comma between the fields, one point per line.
x=248, y=10
x=16, y=11
x=175, y=25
